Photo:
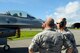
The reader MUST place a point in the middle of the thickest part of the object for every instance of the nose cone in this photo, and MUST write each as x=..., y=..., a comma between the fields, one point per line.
x=39, y=23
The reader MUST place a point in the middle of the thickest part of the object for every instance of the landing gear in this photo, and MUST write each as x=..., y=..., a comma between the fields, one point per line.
x=3, y=41
x=6, y=47
x=18, y=32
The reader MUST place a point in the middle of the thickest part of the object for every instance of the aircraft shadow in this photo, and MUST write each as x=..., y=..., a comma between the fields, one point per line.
x=15, y=50
x=19, y=50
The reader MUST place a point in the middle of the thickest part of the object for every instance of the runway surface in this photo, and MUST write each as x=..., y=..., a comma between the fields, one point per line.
x=21, y=46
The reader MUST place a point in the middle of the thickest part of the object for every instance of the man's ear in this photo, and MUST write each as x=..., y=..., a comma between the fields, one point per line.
x=43, y=25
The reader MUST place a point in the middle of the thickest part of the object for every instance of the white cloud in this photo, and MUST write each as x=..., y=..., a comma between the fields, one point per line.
x=71, y=11
x=72, y=7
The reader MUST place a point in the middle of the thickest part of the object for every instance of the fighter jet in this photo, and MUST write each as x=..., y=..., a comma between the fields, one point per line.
x=12, y=22
x=10, y=25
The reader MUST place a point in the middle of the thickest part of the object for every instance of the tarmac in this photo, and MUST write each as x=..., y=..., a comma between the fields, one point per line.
x=21, y=46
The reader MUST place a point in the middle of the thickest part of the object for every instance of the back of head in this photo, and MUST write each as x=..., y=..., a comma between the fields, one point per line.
x=50, y=22
x=63, y=22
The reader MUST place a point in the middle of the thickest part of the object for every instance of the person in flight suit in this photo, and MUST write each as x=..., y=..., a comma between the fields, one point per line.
x=49, y=41
x=61, y=26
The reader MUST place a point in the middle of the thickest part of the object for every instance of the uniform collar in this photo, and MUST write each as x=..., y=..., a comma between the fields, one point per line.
x=51, y=29
x=65, y=30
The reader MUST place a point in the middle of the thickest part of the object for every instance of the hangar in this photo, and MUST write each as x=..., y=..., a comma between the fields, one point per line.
x=76, y=25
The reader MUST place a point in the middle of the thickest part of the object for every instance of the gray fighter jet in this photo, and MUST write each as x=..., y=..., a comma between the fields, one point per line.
x=10, y=25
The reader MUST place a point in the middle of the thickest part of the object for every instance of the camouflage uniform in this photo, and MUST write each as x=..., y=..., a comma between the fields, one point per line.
x=70, y=37
x=49, y=41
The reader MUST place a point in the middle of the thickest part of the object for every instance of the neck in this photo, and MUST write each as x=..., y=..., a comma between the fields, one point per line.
x=47, y=27
x=62, y=29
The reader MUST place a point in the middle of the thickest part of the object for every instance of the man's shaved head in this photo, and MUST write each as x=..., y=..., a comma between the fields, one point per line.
x=61, y=22
x=61, y=19
x=49, y=22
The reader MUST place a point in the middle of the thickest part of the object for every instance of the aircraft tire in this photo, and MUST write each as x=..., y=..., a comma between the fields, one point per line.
x=6, y=47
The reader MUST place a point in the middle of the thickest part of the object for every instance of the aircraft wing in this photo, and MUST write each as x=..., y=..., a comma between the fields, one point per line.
x=14, y=25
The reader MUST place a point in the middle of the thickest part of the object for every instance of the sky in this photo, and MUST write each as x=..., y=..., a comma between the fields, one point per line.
x=70, y=9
